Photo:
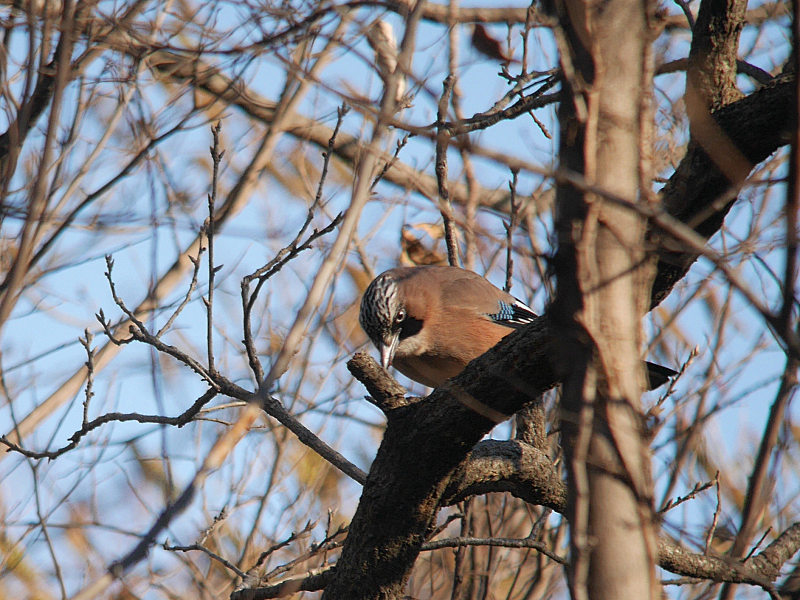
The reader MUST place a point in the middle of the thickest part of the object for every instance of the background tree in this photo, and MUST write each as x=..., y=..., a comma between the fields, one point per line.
x=206, y=439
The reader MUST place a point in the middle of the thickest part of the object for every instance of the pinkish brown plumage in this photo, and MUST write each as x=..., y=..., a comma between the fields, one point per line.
x=429, y=322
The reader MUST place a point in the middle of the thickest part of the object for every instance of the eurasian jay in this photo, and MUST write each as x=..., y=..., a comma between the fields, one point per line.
x=429, y=322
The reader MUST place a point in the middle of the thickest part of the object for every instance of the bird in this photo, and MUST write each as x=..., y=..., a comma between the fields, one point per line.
x=430, y=321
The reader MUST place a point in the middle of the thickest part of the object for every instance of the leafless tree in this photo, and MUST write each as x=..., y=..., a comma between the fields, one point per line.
x=198, y=193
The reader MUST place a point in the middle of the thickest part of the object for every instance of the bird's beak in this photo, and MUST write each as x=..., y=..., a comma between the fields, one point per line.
x=387, y=350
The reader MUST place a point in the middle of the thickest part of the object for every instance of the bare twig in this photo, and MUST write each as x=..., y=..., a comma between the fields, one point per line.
x=286, y=587
x=264, y=273
x=331, y=541
x=391, y=162
x=199, y=547
x=188, y=296
x=218, y=519
x=442, y=142
x=509, y=226
x=715, y=519
x=499, y=542
x=757, y=545
x=314, y=581
x=40, y=515
x=653, y=414
x=216, y=157
x=86, y=342
x=220, y=384
x=360, y=196
x=117, y=300
x=287, y=253
x=89, y=426
x=698, y=487
x=275, y=547
x=759, y=483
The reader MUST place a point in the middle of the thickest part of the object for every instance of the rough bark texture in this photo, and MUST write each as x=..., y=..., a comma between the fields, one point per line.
x=714, y=50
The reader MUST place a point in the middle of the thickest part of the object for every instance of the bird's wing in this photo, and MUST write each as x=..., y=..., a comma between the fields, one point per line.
x=468, y=290
x=516, y=314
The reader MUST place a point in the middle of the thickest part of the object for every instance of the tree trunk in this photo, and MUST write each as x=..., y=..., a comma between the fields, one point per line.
x=603, y=277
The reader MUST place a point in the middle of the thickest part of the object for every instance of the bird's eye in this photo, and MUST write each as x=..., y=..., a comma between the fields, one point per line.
x=400, y=316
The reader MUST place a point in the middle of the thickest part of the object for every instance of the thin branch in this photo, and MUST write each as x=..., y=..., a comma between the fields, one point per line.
x=715, y=519
x=294, y=536
x=509, y=226
x=759, y=483
x=330, y=542
x=442, y=142
x=698, y=487
x=45, y=530
x=496, y=542
x=263, y=274
x=216, y=157
x=195, y=260
x=757, y=545
x=199, y=547
x=287, y=253
x=89, y=426
x=312, y=582
x=360, y=196
x=86, y=342
x=117, y=300
x=391, y=162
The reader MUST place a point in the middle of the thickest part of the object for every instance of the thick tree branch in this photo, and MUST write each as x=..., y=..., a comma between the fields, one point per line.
x=507, y=466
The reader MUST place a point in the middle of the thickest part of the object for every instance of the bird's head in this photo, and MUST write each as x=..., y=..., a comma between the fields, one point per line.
x=382, y=315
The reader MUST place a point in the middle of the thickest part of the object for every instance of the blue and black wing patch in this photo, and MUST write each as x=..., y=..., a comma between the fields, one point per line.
x=515, y=314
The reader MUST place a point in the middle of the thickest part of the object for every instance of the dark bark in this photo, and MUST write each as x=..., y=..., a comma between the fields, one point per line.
x=713, y=54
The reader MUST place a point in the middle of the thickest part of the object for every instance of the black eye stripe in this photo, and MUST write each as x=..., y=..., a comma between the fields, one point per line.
x=411, y=326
